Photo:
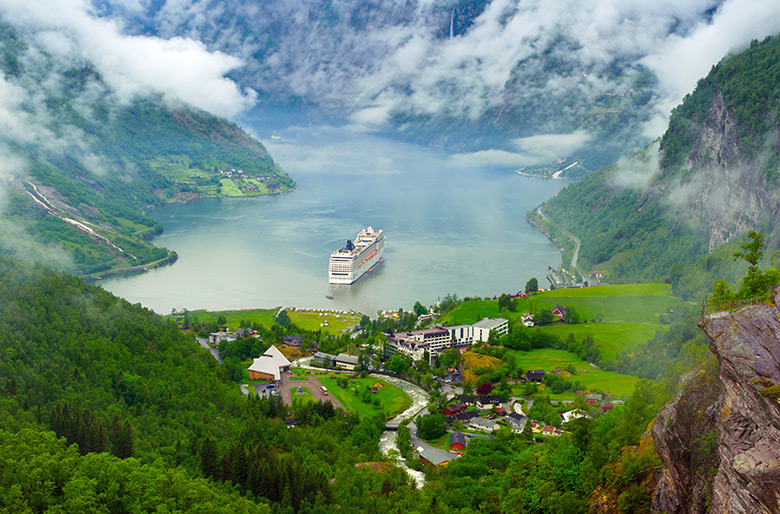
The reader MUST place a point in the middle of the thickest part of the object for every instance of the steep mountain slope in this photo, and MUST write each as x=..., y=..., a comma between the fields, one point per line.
x=719, y=439
x=82, y=164
x=465, y=74
x=712, y=178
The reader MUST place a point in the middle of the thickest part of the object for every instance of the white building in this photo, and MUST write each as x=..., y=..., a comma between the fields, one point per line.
x=461, y=334
x=438, y=339
x=483, y=327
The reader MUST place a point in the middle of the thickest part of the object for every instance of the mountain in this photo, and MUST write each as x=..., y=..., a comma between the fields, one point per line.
x=83, y=163
x=719, y=439
x=462, y=74
x=712, y=177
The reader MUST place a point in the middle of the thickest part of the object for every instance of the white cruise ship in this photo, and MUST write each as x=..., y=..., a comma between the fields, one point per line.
x=355, y=259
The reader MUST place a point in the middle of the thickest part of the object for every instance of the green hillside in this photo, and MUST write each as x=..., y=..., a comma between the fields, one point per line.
x=87, y=166
x=116, y=378
x=657, y=215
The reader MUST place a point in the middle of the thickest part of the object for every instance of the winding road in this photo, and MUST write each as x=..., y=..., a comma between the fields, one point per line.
x=573, y=237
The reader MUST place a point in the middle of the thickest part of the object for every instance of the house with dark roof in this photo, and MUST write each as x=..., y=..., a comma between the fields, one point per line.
x=244, y=332
x=560, y=311
x=457, y=441
x=535, y=375
x=293, y=341
x=434, y=458
x=468, y=400
x=346, y=361
x=487, y=401
x=463, y=417
x=323, y=359
x=454, y=409
x=517, y=421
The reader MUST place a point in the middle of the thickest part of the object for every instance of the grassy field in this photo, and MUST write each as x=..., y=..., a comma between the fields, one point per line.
x=632, y=303
x=310, y=320
x=629, y=313
x=392, y=399
x=263, y=317
x=229, y=188
x=590, y=377
x=307, y=320
x=306, y=397
x=610, y=338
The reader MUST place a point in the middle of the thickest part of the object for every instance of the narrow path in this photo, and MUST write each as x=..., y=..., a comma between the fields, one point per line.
x=573, y=237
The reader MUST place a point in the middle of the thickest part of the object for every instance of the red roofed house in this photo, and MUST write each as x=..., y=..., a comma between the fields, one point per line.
x=451, y=410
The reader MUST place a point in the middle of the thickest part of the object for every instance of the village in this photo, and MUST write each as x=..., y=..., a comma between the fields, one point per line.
x=298, y=370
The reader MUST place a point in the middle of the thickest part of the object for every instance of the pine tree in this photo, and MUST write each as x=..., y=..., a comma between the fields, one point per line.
x=209, y=459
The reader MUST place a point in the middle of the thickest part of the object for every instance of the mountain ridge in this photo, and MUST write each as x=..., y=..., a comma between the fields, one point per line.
x=711, y=178
x=84, y=165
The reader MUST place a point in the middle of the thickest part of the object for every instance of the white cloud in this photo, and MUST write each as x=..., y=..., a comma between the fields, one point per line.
x=177, y=67
x=682, y=60
x=541, y=149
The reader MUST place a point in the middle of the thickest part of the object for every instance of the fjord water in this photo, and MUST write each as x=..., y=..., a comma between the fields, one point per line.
x=452, y=226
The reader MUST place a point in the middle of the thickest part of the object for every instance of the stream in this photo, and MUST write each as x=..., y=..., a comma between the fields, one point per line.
x=387, y=441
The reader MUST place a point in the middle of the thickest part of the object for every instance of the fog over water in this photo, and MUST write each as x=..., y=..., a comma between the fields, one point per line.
x=452, y=226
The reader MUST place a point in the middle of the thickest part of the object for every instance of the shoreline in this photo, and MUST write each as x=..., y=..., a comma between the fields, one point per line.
x=141, y=268
x=153, y=207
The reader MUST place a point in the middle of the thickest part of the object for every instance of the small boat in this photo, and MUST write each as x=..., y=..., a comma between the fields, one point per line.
x=329, y=297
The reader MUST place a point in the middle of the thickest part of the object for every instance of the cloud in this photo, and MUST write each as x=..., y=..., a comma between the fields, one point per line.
x=374, y=63
x=637, y=171
x=177, y=67
x=377, y=64
x=682, y=60
x=541, y=149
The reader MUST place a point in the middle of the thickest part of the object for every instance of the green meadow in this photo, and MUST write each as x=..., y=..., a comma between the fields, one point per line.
x=391, y=398
x=305, y=397
x=627, y=314
x=610, y=338
x=233, y=318
x=589, y=376
x=337, y=323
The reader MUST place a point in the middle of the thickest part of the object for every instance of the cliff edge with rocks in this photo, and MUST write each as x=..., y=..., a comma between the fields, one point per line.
x=719, y=439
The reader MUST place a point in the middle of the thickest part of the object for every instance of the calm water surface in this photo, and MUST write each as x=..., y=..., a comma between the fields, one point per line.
x=450, y=228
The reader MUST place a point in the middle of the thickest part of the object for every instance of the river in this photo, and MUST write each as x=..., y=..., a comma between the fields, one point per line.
x=452, y=226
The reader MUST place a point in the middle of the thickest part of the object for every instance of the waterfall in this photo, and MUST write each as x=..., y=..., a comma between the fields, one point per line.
x=452, y=23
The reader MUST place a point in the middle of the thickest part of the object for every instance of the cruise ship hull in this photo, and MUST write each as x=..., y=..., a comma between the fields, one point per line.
x=348, y=265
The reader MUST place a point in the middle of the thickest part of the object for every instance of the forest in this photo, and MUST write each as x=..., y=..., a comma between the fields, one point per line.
x=135, y=412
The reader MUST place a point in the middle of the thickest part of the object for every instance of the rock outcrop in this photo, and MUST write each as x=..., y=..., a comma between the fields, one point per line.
x=719, y=439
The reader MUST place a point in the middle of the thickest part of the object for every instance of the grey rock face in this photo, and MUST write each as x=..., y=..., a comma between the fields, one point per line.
x=719, y=439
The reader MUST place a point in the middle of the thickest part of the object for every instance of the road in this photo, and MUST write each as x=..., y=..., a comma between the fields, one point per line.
x=205, y=344
x=573, y=237
x=288, y=387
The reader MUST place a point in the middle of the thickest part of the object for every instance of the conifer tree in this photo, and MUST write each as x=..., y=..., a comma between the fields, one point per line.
x=209, y=459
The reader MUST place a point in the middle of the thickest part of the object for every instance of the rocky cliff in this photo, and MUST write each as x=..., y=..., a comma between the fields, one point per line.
x=719, y=439
x=724, y=186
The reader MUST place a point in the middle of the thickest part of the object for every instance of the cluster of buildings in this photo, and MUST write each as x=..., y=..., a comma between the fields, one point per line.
x=440, y=338
x=511, y=414
x=342, y=361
